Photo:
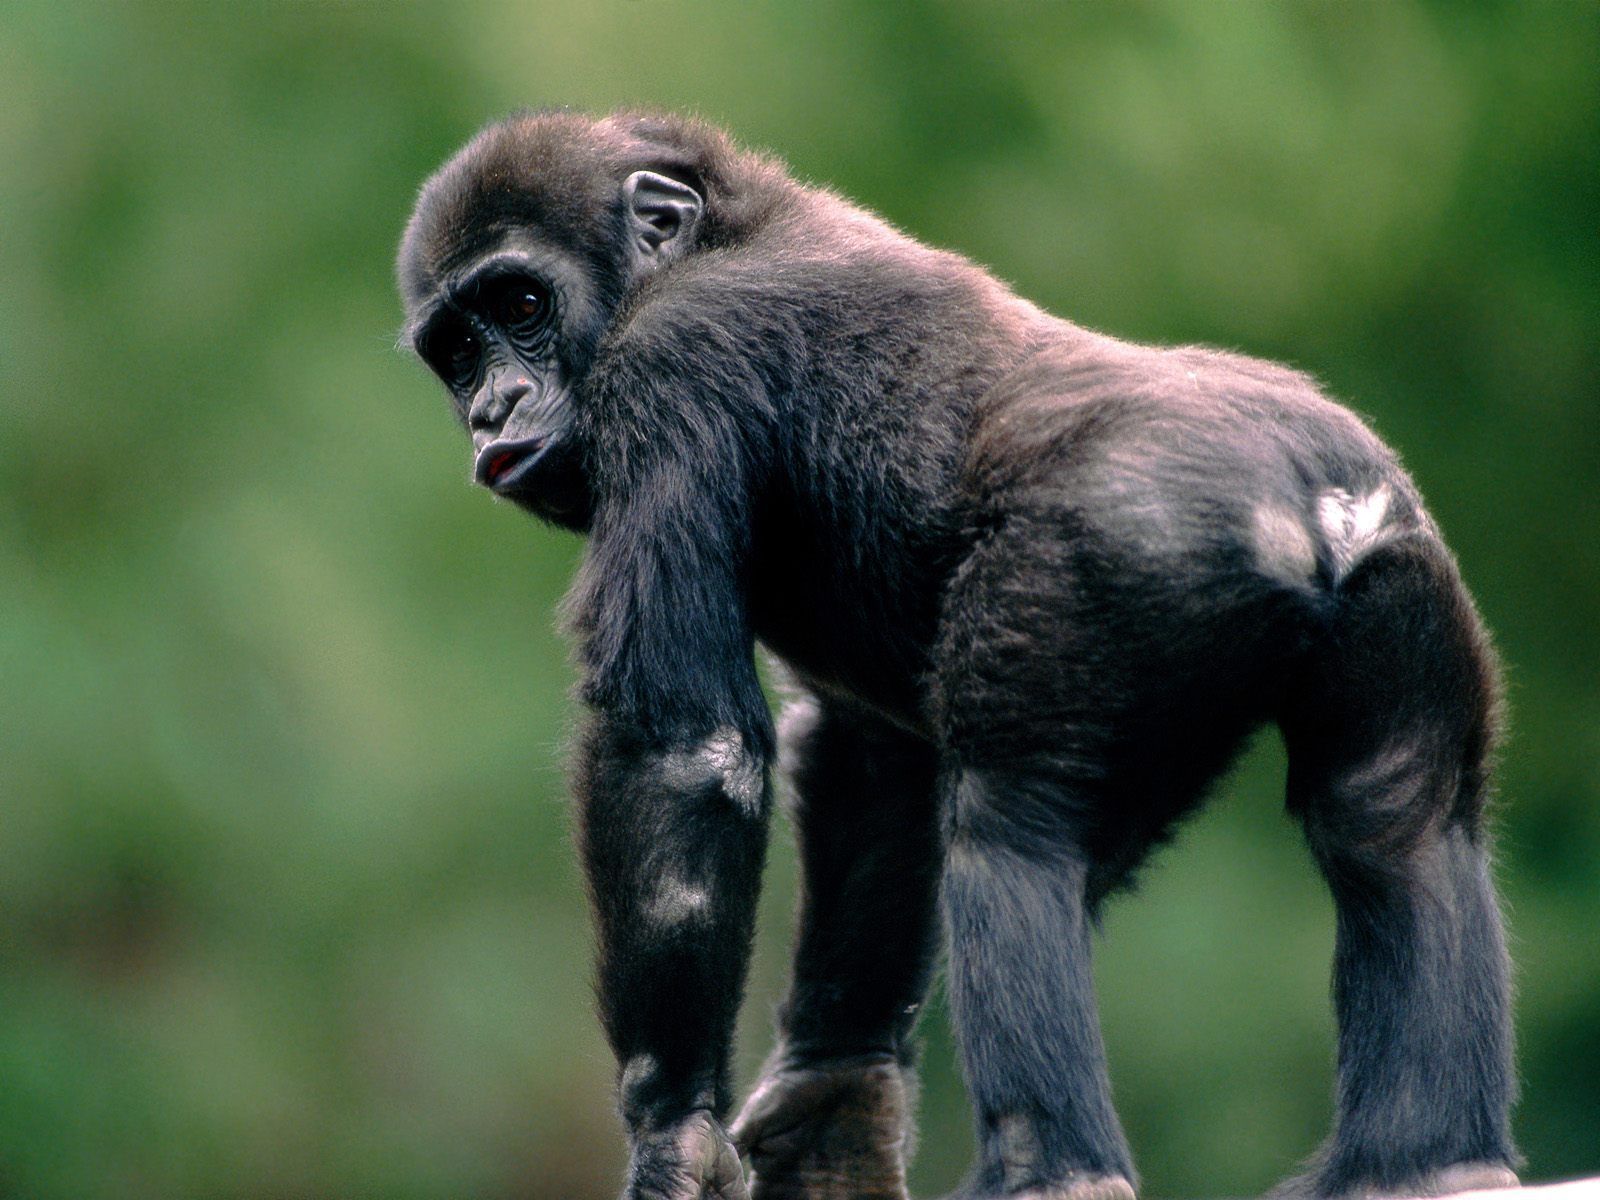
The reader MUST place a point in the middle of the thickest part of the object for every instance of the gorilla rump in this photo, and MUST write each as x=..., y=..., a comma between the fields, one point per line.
x=1035, y=587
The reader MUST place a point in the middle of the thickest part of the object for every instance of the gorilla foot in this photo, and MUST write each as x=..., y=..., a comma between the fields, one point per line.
x=835, y=1131
x=1446, y=1181
x=1466, y=1177
x=1081, y=1187
x=1095, y=1187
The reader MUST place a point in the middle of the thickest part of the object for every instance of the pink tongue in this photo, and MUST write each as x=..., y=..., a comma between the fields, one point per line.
x=499, y=466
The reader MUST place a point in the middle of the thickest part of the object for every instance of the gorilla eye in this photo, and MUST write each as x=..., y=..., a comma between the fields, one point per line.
x=522, y=306
x=454, y=353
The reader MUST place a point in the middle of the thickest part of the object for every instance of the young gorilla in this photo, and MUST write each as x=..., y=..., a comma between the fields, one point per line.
x=1038, y=586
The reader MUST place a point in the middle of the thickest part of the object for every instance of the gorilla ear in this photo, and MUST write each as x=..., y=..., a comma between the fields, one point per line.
x=660, y=212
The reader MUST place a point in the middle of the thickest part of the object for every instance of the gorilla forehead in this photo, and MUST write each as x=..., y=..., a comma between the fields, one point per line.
x=545, y=172
x=558, y=174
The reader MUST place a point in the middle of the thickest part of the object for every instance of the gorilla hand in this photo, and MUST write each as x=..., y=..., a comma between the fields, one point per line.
x=828, y=1131
x=692, y=1160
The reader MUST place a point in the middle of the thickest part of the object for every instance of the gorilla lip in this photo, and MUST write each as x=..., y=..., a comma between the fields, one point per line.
x=501, y=464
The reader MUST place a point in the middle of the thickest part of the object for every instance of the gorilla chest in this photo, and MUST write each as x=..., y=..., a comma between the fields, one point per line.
x=852, y=625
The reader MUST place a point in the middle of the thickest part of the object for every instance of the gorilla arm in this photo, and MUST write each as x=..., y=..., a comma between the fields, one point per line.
x=674, y=801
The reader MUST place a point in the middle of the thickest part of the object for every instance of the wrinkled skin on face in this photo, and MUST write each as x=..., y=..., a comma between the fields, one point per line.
x=508, y=296
x=492, y=334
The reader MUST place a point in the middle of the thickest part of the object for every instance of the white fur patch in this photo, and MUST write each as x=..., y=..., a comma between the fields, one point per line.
x=720, y=755
x=1020, y=1151
x=677, y=902
x=723, y=750
x=1353, y=525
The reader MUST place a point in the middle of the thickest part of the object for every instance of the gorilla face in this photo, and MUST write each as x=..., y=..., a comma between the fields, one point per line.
x=493, y=332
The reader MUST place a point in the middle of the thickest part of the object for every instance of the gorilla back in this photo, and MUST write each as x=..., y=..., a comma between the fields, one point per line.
x=1034, y=585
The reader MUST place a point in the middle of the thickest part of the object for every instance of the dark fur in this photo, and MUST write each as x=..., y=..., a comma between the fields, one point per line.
x=1039, y=585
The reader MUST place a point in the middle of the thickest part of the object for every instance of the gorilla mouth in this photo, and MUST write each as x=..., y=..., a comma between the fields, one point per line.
x=500, y=465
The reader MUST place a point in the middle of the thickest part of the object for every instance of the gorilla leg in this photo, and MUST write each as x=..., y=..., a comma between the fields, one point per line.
x=1089, y=693
x=830, y=1118
x=1388, y=763
x=1022, y=996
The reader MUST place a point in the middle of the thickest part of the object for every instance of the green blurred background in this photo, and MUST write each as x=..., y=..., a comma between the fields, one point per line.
x=287, y=900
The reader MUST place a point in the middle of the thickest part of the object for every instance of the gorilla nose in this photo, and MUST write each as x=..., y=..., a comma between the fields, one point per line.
x=512, y=394
x=496, y=401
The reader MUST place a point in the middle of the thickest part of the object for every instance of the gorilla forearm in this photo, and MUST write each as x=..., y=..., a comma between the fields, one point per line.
x=864, y=811
x=672, y=784
x=673, y=841
x=830, y=1118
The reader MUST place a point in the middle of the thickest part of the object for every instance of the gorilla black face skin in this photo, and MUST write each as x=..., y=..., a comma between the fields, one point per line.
x=1035, y=588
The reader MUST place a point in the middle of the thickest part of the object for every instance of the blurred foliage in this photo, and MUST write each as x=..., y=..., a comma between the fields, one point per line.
x=287, y=902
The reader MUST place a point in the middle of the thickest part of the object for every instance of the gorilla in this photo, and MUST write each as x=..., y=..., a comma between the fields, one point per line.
x=1033, y=588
